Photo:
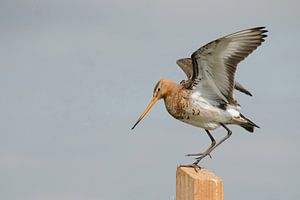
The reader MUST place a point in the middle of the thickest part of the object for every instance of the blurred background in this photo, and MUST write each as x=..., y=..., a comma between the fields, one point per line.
x=75, y=76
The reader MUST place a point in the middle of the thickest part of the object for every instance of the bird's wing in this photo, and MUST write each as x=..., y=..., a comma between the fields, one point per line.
x=214, y=64
x=187, y=66
x=241, y=88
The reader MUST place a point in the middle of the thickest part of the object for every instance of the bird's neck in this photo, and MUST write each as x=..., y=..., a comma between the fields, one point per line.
x=171, y=89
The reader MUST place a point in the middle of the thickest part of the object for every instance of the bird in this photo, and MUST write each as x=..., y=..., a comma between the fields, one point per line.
x=206, y=98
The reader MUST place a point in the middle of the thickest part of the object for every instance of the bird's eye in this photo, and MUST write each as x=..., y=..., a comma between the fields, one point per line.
x=158, y=89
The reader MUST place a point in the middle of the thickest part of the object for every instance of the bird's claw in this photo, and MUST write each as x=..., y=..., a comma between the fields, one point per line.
x=194, y=165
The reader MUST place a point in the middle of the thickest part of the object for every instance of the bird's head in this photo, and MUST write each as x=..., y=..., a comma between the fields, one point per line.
x=161, y=90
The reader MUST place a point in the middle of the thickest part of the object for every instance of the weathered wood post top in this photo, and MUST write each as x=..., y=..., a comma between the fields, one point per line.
x=201, y=185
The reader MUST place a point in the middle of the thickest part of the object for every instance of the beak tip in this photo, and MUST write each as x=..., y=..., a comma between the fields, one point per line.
x=134, y=126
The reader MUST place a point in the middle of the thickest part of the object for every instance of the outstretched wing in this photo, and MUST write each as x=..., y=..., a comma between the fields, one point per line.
x=214, y=64
x=187, y=66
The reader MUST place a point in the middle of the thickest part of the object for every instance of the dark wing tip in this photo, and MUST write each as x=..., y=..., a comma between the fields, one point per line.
x=248, y=93
x=259, y=27
x=262, y=30
x=241, y=88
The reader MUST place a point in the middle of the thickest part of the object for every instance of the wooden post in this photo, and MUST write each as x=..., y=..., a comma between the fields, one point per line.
x=201, y=185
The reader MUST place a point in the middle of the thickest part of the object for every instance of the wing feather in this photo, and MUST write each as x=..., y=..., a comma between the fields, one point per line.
x=214, y=64
x=187, y=66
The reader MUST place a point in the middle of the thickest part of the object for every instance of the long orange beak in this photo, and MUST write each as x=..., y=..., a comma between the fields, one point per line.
x=154, y=100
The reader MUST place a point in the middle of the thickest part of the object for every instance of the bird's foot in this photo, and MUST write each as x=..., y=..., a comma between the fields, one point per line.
x=194, y=165
x=201, y=155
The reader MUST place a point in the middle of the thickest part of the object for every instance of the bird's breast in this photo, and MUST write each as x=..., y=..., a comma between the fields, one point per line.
x=181, y=106
x=178, y=104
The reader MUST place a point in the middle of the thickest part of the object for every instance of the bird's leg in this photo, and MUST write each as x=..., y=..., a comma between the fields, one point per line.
x=205, y=153
x=208, y=150
x=229, y=132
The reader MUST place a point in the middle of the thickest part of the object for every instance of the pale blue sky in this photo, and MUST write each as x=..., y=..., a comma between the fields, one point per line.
x=75, y=76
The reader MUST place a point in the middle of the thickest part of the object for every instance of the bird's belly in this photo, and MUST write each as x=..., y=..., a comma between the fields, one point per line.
x=207, y=118
x=208, y=122
x=197, y=112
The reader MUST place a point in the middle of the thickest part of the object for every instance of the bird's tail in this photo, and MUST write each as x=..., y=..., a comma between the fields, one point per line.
x=247, y=123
